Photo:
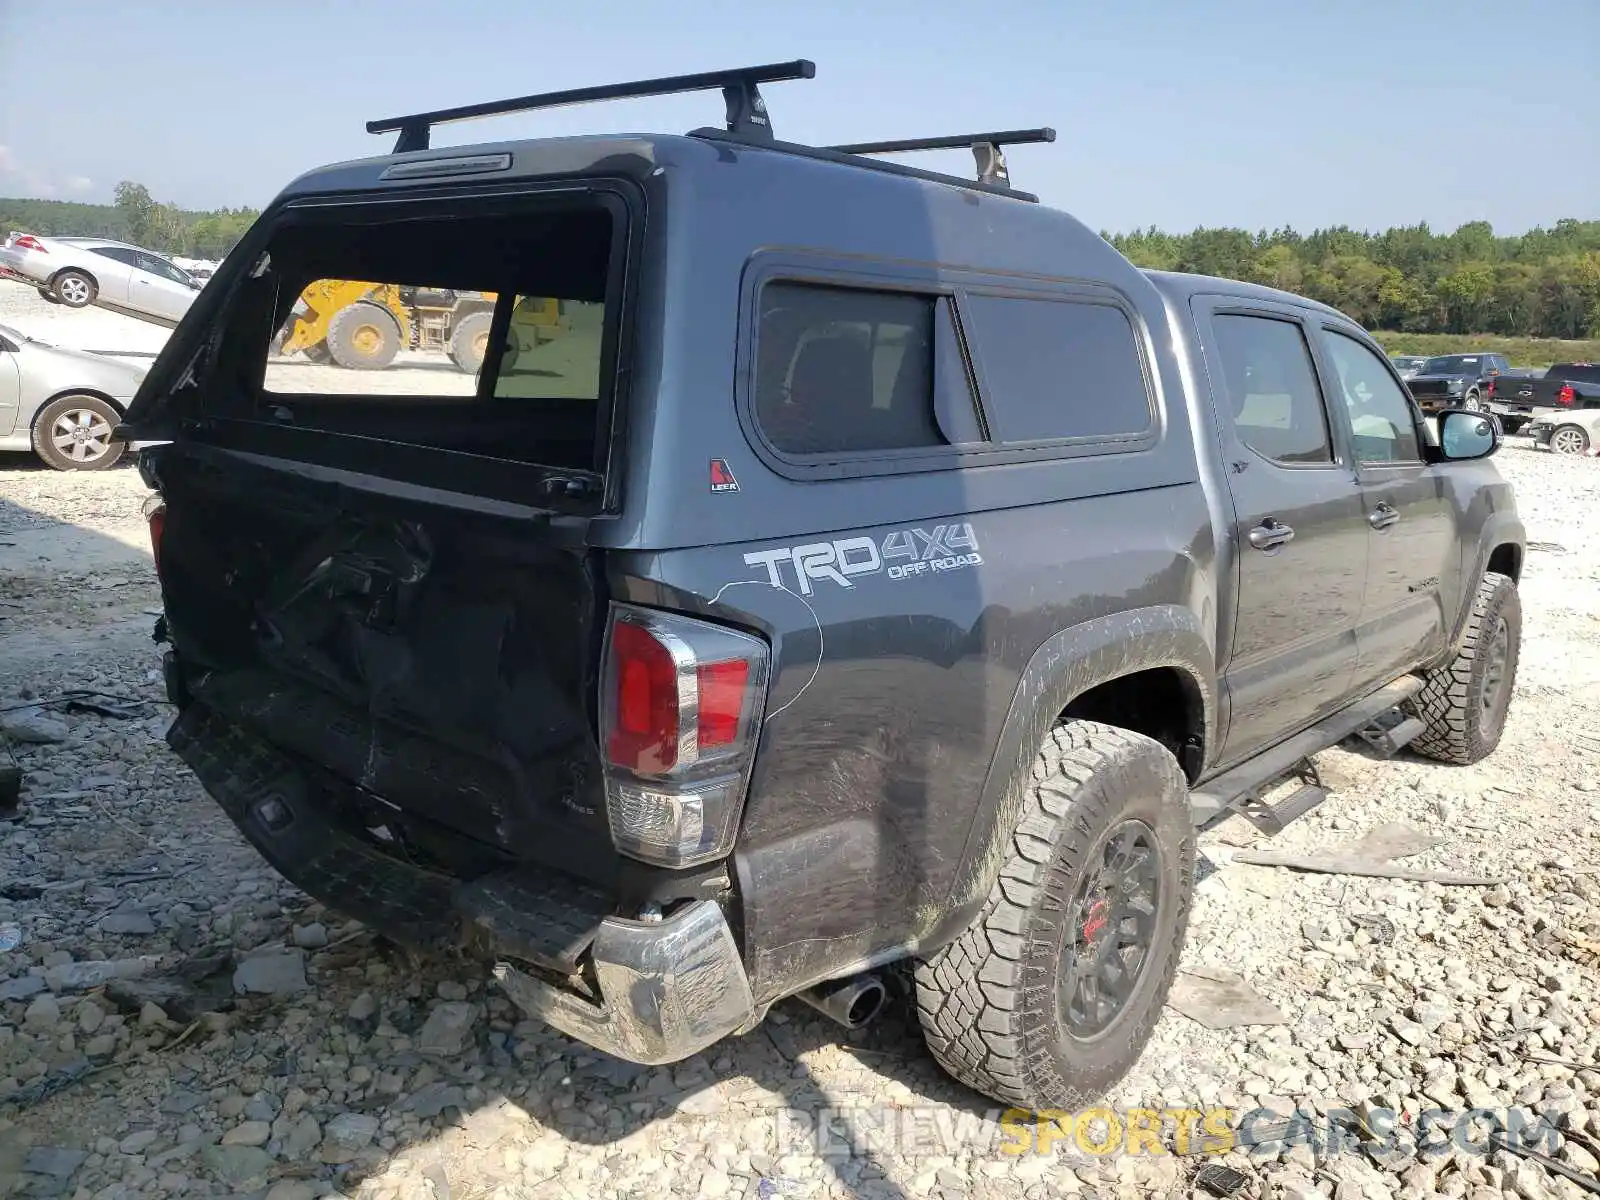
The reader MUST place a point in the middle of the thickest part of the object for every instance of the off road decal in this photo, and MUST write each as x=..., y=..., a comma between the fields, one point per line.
x=903, y=554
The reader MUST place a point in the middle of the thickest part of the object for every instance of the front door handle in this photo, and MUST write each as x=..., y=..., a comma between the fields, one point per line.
x=1271, y=535
x=1383, y=516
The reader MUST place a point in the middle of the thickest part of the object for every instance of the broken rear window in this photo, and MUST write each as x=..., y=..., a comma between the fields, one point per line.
x=486, y=330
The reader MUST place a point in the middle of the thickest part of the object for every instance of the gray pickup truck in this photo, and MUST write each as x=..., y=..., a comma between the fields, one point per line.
x=875, y=574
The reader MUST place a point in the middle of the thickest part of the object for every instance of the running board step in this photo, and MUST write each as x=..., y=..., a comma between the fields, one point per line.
x=1216, y=796
x=1392, y=732
x=1271, y=819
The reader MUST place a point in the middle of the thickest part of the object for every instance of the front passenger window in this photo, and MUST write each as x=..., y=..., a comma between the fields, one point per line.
x=1381, y=425
x=1272, y=387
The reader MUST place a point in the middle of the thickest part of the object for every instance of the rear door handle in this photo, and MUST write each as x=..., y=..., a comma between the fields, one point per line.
x=1271, y=535
x=1383, y=516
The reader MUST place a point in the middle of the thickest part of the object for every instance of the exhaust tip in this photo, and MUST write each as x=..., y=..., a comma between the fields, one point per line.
x=868, y=1003
x=853, y=1002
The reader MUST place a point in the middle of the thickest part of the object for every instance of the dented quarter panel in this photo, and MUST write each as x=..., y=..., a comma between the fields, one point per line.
x=874, y=804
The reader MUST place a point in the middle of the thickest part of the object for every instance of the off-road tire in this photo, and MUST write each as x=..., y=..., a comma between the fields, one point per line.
x=55, y=421
x=989, y=1002
x=469, y=341
x=74, y=288
x=1573, y=439
x=1452, y=700
x=363, y=337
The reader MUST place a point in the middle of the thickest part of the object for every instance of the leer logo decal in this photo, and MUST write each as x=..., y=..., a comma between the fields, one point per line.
x=903, y=554
x=722, y=479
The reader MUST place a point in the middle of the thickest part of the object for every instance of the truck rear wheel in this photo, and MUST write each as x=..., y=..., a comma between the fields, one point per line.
x=1050, y=996
x=469, y=341
x=1464, y=703
x=363, y=337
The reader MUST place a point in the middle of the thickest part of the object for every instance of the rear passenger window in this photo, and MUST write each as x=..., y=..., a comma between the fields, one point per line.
x=1057, y=369
x=845, y=370
x=1272, y=391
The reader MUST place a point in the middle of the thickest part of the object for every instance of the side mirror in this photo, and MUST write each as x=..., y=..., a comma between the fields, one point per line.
x=1464, y=436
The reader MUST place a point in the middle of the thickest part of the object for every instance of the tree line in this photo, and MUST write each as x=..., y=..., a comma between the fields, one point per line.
x=136, y=217
x=1544, y=283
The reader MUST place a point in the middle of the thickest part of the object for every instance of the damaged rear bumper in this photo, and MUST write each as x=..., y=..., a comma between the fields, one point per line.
x=666, y=989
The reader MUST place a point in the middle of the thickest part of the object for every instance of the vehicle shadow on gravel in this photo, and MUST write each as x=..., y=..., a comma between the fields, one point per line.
x=796, y=1100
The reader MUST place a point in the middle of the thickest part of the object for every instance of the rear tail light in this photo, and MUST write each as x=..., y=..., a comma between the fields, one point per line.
x=155, y=513
x=1489, y=390
x=680, y=719
x=28, y=242
x=1566, y=395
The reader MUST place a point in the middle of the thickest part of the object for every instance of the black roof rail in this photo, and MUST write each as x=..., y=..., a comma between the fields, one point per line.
x=986, y=149
x=747, y=112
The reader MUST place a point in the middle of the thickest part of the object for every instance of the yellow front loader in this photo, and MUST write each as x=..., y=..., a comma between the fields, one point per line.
x=364, y=325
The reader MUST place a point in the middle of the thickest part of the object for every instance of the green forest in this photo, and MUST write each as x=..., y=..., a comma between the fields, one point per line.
x=1409, y=282
x=1544, y=283
x=135, y=217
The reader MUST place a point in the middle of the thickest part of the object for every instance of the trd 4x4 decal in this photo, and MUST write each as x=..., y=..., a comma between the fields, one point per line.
x=903, y=554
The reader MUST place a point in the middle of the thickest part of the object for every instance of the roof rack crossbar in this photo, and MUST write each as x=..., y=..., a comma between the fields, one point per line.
x=986, y=149
x=746, y=111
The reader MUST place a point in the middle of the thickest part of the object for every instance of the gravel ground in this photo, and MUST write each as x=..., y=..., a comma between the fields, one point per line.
x=176, y=1020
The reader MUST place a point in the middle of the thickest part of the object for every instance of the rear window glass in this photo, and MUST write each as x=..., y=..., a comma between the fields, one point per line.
x=484, y=334
x=1057, y=369
x=1582, y=372
x=845, y=370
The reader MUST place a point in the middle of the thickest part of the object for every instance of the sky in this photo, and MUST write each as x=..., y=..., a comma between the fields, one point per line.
x=1173, y=113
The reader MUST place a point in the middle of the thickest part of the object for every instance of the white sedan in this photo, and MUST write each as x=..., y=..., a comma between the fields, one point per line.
x=1566, y=431
x=79, y=271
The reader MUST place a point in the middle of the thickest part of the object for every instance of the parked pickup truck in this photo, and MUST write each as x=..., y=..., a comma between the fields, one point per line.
x=892, y=583
x=1565, y=386
x=1457, y=381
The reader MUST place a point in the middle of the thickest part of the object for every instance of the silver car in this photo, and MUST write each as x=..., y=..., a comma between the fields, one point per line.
x=62, y=404
x=78, y=272
x=1408, y=364
x=1565, y=431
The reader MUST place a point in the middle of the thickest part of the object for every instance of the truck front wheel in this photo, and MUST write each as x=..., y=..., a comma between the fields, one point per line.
x=1464, y=703
x=1050, y=996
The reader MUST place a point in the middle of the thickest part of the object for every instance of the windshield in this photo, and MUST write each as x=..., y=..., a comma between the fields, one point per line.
x=1452, y=364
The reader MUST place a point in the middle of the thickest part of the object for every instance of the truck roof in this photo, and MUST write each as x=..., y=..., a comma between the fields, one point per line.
x=1181, y=285
x=799, y=198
